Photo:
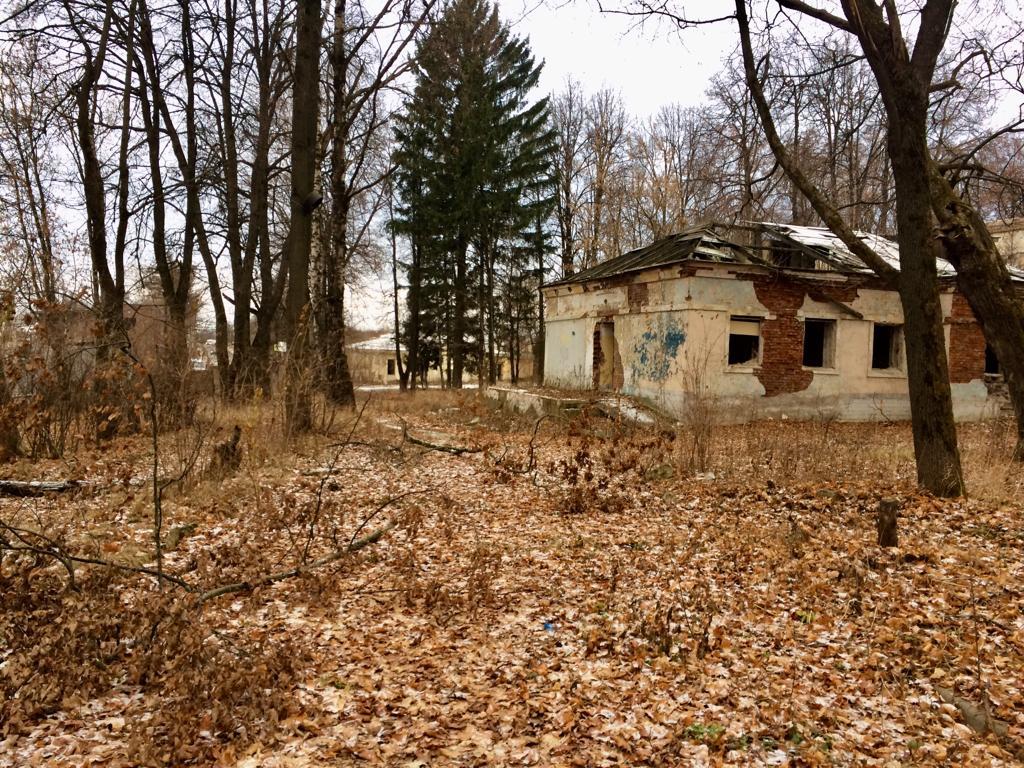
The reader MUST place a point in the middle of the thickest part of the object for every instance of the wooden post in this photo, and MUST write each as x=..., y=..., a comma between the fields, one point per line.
x=886, y=522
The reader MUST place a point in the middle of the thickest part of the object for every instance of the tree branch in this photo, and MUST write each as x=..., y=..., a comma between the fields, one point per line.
x=822, y=207
x=247, y=586
x=817, y=13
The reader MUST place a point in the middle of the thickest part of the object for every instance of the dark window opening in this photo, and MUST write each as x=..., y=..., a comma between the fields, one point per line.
x=886, y=347
x=391, y=367
x=819, y=343
x=744, y=340
x=991, y=361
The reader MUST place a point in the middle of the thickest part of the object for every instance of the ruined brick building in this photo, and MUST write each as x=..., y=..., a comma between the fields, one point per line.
x=765, y=319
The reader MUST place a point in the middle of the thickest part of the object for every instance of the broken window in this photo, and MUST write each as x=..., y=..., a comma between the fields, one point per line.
x=391, y=366
x=744, y=340
x=887, y=347
x=819, y=343
x=991, y=361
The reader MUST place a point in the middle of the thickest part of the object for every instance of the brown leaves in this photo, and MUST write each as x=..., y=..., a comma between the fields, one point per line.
x=663, y=622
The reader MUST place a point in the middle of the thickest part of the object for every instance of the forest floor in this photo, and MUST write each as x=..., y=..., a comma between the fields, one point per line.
x=558, y=594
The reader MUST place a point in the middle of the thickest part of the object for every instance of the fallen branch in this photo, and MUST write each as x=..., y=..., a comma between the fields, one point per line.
x=49, y=547
x=455, y=450
x=247, y=586
x=20, y=488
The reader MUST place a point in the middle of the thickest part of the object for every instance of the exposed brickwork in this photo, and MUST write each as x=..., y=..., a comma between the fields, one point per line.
x=966, y=343
x=782, y=338
x=636, y=296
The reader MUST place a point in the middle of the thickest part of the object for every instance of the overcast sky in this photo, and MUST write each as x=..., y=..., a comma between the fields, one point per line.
x=651, y=65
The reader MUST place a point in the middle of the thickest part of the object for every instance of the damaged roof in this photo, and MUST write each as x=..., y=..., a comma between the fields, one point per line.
x=818, y=246
x=828, y=245
x=699, y=242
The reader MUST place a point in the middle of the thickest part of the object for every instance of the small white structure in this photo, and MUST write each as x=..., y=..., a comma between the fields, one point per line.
x=1009, y=237
x=374, y=360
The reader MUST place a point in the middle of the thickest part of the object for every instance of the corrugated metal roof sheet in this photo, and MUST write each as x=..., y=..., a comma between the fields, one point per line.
x=838, y=253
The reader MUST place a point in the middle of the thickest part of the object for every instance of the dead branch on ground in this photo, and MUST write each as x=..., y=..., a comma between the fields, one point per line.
x=33, y=488
x=248, y=586
x=455, y=450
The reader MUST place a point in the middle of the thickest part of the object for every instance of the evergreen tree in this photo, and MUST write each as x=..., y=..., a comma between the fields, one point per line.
x=474, y=157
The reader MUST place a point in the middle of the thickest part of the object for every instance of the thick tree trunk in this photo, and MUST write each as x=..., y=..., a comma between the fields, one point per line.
x=985, y=282
x=305, y=111
x=337, y=377
x=931, y=401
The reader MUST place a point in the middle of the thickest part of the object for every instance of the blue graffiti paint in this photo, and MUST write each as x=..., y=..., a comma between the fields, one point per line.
x=674, y=338
x=656, y=350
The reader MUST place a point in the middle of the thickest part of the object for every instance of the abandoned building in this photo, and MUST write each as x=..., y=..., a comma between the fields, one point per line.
x=373, y=360
x=793, y=325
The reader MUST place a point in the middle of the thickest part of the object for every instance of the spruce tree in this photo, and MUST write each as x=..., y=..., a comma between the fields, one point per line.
x=474, y=157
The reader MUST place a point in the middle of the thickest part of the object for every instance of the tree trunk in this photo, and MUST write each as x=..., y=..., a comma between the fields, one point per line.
x=457, y=339
x=403, y=371
x=305, y=113
x=337, y=377
x=985, y=282
x=931, y=401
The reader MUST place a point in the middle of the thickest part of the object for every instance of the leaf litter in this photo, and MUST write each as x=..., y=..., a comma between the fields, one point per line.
x=555, y=599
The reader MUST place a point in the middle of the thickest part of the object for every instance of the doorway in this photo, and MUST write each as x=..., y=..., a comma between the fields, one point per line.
x=604, y=355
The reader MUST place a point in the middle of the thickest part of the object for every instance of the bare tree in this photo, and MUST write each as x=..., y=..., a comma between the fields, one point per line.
x=606, y=128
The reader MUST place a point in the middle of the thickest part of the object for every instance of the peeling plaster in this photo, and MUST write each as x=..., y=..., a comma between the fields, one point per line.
x=656, y=351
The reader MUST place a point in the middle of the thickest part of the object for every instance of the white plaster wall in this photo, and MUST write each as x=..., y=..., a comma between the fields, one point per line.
x=569, y=353
x=677, y=344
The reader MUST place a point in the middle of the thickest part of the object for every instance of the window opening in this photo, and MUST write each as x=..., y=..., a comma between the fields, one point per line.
x=819, y=343
x=991, y=361
x=886, y=347
x=744, y=340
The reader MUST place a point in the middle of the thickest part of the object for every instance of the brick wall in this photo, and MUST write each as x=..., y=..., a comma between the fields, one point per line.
x=637, y=296
x=782, y=339
x=966, y=343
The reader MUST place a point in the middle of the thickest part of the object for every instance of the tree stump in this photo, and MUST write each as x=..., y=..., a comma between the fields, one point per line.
x=886, y=522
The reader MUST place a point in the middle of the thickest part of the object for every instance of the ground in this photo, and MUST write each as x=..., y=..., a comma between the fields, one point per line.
x=563, y=593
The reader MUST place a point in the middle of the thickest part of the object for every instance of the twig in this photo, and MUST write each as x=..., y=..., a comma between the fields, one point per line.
x=66, y=559
x=247, y=586
x=315, y=518
x=381, y=507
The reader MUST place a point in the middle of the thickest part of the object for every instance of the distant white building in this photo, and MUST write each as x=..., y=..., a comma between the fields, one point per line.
x=374, y=361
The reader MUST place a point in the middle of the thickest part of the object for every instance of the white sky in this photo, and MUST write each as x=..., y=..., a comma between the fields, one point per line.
x=651, y=65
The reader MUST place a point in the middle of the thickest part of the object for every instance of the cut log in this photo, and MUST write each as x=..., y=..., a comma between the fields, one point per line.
x=886, y=522
x=23, y=488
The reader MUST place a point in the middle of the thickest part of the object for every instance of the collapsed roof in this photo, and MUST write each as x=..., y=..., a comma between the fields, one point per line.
x=783, y=246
